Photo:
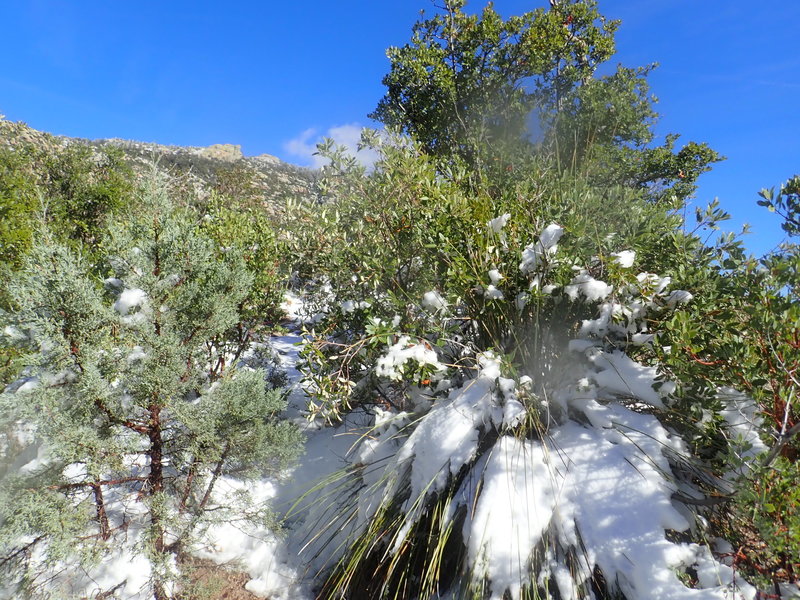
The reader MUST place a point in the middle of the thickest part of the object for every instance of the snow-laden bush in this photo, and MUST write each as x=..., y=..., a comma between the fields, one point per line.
x=565, y=474
x=556, y=279
x=399, y=245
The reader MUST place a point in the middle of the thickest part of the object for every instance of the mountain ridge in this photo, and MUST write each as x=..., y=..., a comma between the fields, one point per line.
x=269, y=179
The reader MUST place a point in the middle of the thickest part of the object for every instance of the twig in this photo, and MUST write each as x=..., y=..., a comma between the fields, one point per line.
x=706, y=501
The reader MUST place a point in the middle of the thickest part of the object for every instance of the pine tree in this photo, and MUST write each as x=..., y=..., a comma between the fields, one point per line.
x=135, y=402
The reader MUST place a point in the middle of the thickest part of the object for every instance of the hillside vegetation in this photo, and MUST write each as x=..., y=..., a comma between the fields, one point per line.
x=558, y=381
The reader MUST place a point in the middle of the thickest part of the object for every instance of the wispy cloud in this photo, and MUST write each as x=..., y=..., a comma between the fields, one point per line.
x=304, y=146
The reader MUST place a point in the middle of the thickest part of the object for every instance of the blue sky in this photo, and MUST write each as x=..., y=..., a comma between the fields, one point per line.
x=274, y=77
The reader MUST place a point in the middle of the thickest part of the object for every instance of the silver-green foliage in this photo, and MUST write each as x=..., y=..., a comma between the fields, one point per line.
x=135, y=400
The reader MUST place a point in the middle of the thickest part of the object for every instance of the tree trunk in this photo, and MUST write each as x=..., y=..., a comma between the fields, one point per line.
x=156, y=479
x=102, y=516
x=156, y=485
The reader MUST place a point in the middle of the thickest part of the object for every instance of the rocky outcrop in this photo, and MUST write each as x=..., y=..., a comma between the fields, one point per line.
x=229, y=152
x=267, y=178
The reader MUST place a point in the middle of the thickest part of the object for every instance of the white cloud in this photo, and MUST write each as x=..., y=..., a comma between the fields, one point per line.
x=305, y=145
x=301, y=147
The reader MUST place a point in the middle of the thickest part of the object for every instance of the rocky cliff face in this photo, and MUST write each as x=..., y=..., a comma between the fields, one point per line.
x=266, y=177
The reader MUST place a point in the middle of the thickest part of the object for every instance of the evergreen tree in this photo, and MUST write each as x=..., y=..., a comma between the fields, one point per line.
x=135, y=404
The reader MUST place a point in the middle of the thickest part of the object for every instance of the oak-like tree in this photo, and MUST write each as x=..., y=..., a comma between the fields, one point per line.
x=495, y=92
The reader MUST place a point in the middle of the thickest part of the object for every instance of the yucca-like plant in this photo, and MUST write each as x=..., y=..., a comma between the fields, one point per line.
x=136, y=407
x=564, y=475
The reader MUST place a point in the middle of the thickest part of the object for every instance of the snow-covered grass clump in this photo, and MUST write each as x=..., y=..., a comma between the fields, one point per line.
x=579, y=502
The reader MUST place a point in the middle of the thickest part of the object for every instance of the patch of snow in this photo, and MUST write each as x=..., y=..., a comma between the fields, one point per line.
x=679, y=297
x=536, y=254
x=391, y=365
x=514, y=508
x=521, y=301
x=617, y=374
x=136, y=353
x=27, y=385
x=448, y=437
x=129, y=299
x=492, y=293
x=14, y=334
x=742, y=424
x=433, y=301
x=587, y=286
x=254, y=549
x=625, y=258
x=114, y=284
x=496, y=225
x=292, y=305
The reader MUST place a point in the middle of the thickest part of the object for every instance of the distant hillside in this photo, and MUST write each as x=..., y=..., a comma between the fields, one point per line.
x=264, y=178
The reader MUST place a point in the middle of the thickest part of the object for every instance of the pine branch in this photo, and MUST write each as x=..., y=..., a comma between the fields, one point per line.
x=201, y=507
x=115, y=420
x=5, y=560
x=215, y=475
x=187, y=490
x=93, y=484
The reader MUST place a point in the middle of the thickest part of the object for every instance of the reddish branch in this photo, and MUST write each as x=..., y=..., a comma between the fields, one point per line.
x=188, y=489
x=114, y=419
x=102, y=516
x=215, y=475
x=155, y=480
x=700, y=361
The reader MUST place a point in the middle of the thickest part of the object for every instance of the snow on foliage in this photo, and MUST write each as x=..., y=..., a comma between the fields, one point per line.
x=538, y=253
x=598, y=490
x=542, y=484
x=434, y=301
x=392, y=364
x=588, y=287
x=496, y=225
x=492, y=293
x=131, y=304
x=625, y=258
x=596, y=486
x=742, y=424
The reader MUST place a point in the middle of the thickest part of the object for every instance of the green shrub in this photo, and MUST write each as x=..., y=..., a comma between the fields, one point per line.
x=385, y=239
x=771, y=502
x=249, y=230
x=743, y=332
x=74, y=188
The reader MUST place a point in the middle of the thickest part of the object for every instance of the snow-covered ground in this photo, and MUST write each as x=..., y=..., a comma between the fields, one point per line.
x=607, y=475
x=279, y=564
x=601, y=484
